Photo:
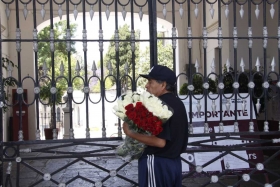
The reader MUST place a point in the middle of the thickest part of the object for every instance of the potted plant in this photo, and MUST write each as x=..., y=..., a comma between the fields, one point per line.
x=46, y=96
x=243, y=87
x=8, y=82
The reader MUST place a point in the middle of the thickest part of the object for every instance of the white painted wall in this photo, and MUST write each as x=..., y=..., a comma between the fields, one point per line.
x=26, y=62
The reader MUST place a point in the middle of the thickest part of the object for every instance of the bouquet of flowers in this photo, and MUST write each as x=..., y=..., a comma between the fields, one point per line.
x=144, y=113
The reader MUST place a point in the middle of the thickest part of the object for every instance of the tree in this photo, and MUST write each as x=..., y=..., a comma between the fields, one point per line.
x=142, y=61
x=125, y=53
x=165, y=58
x=44, y=51
x=60, y=53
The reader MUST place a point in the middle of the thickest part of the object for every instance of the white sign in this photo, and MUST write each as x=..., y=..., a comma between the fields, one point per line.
x=203, y=157
x=213, y=108
x=212, y=114
x=232, y=162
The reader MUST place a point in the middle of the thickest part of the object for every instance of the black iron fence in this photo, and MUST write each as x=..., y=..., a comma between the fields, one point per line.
x=225, y=54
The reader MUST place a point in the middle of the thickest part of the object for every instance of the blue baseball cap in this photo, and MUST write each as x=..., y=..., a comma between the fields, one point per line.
x=161, y=73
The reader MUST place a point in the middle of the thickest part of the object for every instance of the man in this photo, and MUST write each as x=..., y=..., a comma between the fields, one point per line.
x=160, y=165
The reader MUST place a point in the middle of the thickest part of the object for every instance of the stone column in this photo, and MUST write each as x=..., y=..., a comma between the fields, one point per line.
x=66, y=122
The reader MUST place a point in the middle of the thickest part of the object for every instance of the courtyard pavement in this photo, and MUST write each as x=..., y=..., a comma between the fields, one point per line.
x=81, y=172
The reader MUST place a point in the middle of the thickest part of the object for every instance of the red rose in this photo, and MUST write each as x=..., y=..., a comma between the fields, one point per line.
x=155, y=118
x=143, y=114
x=150, y=121
x=127, y=113
x=142, y=108
x=139, y=108
x=139, y=104
x=150, y=114
x=158, y=123
x=129, y=107
x=157, y=130
x=137, y=120
x=143, y=124
x=143, y=121
x=132, y=115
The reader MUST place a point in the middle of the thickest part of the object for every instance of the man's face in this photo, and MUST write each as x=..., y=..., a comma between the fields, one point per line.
x=155, y=88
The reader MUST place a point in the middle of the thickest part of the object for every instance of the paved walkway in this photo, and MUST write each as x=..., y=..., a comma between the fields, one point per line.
x=80, y=173
x=92, y=168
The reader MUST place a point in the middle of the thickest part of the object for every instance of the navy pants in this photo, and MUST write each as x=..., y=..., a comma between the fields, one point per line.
x=159, y=172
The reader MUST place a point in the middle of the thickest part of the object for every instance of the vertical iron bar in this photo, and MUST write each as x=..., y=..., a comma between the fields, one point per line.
x=173, y=13
x=41, y=121
x=189, y=13
x=18, y=166
x=36, y=70
x=133, y=52
x=205, y=63
x=219, y=55
x=204, y=13
x=220, y=69
x=118, y=82
x=250, y=63
x=102, y=87
x=45, y=116
x=153, y=32
x=173, y=25
x=190, y=63
x=117, y=53
x=85, y=64
x=279, y=48
x=19, y=98
x=1, y=110
x=235, y=64
x=264, y=58
x=53, y=113
x=70, y=95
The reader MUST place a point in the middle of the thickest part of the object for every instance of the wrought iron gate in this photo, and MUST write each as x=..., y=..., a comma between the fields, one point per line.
x=226, y=52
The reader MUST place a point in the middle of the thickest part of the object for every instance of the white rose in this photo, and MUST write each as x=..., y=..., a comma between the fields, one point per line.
x=128, y=96
x=120, y=106
x=152, y=108
x=141, y=98
x=156, y=102
x=149, y=107
x=116, y=108
x=146, y=94
x=146, y=101
x=120, y=115
x=128, y=93
x=169, y=113
x=127, y=101
x=135, y=97
x=157, y=112
x=165, y=108
x=166, y=114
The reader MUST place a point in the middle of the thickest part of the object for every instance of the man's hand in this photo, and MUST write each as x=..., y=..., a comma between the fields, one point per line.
x=145, y=139
x=126, y=129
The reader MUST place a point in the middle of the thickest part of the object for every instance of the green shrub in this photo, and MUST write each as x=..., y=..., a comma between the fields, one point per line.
x=198, y=86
